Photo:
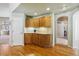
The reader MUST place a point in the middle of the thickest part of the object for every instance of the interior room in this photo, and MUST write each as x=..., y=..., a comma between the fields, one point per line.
x=62, y=30
x=4, y=30
x=40, y=29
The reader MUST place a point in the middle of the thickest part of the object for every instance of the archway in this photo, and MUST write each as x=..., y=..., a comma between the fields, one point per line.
x=62, y=30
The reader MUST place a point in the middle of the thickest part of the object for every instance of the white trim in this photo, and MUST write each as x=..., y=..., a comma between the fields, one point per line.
x=53, y=28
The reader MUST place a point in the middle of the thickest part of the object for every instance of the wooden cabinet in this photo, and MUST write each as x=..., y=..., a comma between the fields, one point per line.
x=32, y=22
x=27, y=38
x=36, y=22
x=45, y=40
x=48, y=21
x=27, y=23
x=45, y=21
x=35, y=38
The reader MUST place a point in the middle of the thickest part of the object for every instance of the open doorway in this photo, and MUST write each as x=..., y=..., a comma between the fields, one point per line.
x=62, y=30
x=4, y=30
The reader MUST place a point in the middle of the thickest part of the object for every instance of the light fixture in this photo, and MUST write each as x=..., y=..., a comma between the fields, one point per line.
x=47, y=9
x=64, y=7
x=35, y=13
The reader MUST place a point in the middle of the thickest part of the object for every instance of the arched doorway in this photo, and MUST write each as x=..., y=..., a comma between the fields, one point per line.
x=62, y=30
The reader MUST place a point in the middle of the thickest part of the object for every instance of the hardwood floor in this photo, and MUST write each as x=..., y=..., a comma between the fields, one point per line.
x=32, y=50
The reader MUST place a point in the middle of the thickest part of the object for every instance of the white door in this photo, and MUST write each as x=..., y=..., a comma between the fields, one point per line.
x=18, y=30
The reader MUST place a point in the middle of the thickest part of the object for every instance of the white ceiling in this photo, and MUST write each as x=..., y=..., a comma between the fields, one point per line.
x=40, y=8
x=4, y=5
x=4, y=10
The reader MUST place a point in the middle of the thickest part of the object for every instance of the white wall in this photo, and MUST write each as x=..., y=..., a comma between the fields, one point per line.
x=17, y=29
x=4, y=11
x=60, y=29
x=76, y=30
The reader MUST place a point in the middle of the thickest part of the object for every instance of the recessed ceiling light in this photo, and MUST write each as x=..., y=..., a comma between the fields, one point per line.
x=64, y=8
x=35, y=13
x=48, y=9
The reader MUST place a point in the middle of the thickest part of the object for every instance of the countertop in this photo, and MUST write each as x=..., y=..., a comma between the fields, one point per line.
x=41, y=30
x=37, y=33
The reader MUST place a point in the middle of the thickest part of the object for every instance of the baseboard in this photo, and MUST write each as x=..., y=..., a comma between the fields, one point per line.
x=17, y=45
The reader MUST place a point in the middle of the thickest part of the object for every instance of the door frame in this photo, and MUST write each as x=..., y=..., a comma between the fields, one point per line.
x=67, y=27
x=77, y=9
x=70, y=28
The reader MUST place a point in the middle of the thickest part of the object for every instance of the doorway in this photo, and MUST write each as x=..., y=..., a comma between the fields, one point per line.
x=62, y=30
x=4, y=30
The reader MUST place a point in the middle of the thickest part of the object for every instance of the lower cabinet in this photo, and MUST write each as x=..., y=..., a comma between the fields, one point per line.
x=35, y=39
x=43, y=40
x=27, y=38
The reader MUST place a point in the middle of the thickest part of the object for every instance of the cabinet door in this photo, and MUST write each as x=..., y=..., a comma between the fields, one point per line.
x=36, y=22
x=27, y=23
x=31, y=23
x=27, y=38
x=42, y=22
x=45, y=21
x=44, y=40
x=35, y=39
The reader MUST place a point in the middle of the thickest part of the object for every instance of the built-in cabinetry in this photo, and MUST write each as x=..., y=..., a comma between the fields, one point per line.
x=43, y=40
x=40, y=39
x=44, y=21
x=35, y=39
x=27, y=38
x=36, y=22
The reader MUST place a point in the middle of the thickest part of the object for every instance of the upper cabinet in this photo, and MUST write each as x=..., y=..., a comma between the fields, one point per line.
x=36, y=22
x=27, y=23
x=48, y=21
x=31, y=23
x=44, y=21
